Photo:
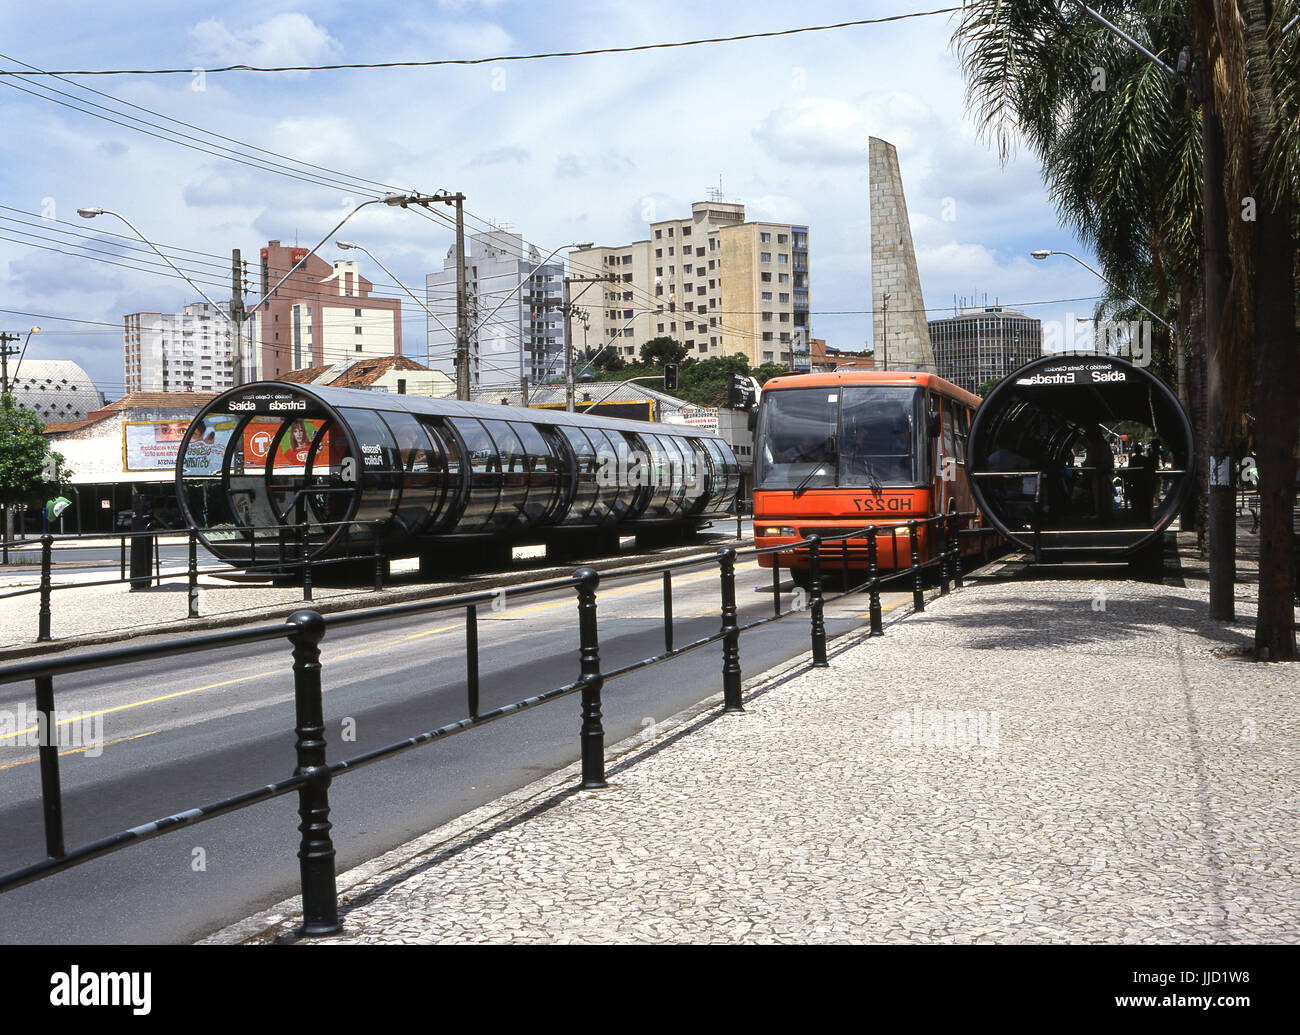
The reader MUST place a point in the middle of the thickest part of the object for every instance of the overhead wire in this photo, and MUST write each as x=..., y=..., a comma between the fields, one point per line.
x=633, y=48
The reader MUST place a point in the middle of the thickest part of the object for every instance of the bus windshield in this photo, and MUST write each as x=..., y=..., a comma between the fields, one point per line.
x=853, y=436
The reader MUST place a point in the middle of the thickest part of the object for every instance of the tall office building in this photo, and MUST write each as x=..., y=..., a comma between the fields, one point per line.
x=189, y=351
x=516, y=332
x=724, y=285
x=323, y=314
x=984, y=343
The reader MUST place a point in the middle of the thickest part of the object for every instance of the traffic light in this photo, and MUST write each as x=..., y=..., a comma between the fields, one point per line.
x=670, y=377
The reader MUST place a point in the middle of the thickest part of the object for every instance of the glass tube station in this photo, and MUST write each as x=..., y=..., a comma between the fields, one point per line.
x=1084, y=457
x=352, y=473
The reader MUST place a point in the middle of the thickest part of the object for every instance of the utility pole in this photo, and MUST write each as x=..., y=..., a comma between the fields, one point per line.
x=462, y=298
x=567, y=308
x=237, y=317
x=5, y=353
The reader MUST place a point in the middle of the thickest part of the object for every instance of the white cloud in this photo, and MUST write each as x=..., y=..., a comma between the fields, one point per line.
x=283, y=39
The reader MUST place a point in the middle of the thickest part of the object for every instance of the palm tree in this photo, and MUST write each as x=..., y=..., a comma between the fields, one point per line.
x=1122, y=150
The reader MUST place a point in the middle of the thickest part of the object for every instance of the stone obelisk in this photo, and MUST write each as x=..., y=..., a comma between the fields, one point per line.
x=898, y=324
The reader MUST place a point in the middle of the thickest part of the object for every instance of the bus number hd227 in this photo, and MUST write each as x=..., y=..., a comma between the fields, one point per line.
x=877, y=504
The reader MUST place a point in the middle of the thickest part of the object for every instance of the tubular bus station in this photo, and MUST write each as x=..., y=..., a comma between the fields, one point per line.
x=1082, y=458
x=337, y=473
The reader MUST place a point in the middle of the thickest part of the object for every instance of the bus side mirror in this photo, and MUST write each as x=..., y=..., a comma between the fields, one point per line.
x=933, y=426
x=752, y=419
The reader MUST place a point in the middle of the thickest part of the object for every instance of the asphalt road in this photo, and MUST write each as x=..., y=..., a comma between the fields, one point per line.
x=193, y=729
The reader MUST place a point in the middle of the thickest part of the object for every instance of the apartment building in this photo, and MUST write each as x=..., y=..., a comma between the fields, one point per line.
x=984, y=343
x=516, y=326
x=714, y=282
x=325, y=313
x=189, y=351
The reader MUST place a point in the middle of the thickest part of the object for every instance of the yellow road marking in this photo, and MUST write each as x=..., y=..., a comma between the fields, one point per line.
x=352, y=654
x=77, y=751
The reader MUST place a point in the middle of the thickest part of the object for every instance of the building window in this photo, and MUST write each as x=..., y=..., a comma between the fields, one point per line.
x=659, y=253
x=699, y=253
x=764, y=238
x=659, y=271
x=783, y=278
x=767, y=335
x=358, y=331
x=782, y=258
x=767, y=317
x=767, y=296
x=358, y=346
x=355, y=312
x=780, y=238
x=765, y=257
x=765, y=277
x=659, y=233
x=784, y=296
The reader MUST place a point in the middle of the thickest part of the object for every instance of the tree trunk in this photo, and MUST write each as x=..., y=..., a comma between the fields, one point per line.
x=1277, y=370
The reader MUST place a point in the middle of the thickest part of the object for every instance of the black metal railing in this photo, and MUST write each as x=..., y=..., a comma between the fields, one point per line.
x=305, y=629
x=285, y=552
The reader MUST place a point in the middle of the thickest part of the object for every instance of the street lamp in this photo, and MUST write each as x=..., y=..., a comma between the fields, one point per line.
x=347, y=245
x=236, y=320
x=34, y=330
x=1042, y=253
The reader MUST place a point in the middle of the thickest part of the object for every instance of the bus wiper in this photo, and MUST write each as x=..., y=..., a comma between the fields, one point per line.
x=873, y=480
x=828, y=451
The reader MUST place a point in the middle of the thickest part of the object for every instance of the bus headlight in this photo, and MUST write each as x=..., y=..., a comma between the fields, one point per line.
x=782, y=530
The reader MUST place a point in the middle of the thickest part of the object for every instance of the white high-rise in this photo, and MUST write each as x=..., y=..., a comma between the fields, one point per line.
x=189, y=351
x=516, y=333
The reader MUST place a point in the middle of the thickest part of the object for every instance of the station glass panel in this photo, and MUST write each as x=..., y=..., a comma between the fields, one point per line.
x=379, y=469
x=693, y=477
x=424, y=476
x=456, y=473
x=514, y=477
x=661, y=462
x=586, y=468
x=249, y=497
x=726, y=477
x=202, y=463
x=629, y=466
x=543, y=469
x=484, y=475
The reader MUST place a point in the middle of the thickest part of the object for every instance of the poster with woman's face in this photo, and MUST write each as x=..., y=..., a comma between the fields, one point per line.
x=295, y=443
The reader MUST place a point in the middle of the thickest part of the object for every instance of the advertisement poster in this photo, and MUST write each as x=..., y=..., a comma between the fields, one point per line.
x=207, y=445
x=290, y=451
x=151, y=445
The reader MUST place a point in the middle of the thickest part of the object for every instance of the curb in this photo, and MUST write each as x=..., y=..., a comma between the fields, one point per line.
x=606, y=566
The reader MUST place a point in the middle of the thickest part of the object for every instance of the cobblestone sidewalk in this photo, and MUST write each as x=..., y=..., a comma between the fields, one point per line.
x=1028, y=761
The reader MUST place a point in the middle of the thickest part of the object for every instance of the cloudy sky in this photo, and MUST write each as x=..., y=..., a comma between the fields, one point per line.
x=561, y=150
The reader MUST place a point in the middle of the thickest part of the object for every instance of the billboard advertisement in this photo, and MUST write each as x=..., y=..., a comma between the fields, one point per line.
x=151, y=445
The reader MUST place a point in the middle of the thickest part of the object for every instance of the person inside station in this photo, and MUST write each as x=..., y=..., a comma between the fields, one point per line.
x=1018, y=491
x=1099, y=467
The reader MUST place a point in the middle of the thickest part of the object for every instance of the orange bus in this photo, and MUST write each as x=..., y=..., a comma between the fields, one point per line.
x=834, y=453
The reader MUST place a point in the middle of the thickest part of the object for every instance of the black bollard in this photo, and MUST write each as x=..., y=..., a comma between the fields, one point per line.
x=320, y=906
x=815, y=588
x=918, y=593
x=873, y=574
x=592, y=738
x=730, y=632
x=194, y=575
x=43, y=620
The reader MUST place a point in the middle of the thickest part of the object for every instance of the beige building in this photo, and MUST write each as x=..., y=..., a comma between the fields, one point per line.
x=718, y=284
